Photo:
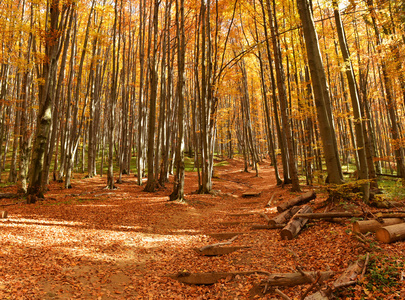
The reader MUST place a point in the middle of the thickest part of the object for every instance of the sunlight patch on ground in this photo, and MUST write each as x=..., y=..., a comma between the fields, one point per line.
x=271, y=210
x=99, y=205
x=74, y=240
x=12, y=221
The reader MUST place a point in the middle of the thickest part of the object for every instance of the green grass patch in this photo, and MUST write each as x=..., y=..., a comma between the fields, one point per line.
x=221, y=163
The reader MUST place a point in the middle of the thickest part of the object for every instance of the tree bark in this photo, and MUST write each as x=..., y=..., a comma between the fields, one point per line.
x=304, y=198
x=321, y=93
x=295, y=225
x=392, y=233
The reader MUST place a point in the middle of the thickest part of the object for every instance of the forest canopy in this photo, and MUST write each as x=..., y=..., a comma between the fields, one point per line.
x=143, y=87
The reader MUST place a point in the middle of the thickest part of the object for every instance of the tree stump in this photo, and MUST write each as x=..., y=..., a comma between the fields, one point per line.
x=295, y=225
x=304, y=198
x=374, y=225
x=390, y=234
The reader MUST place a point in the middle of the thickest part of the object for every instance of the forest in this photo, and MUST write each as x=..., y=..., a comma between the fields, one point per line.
x=118, y=115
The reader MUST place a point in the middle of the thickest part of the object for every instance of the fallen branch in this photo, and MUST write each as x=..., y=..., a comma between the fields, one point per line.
x=219, y=244
x=329, y=215
x=210, y=278
x=216, y=251
x=10, y=204
x=270, y=201
x=281, y=294
x=224, y=235
x=312, y=286
x=9, y=196
x=265, y=217
x=275, y=226
x=293, y=279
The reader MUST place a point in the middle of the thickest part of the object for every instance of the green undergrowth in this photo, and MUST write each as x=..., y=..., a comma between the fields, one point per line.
x=381, y=280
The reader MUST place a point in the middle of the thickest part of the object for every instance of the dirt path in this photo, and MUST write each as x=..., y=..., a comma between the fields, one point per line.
x=91, y=243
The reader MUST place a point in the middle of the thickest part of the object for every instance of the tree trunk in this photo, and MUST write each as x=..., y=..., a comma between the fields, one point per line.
x=321, y=94
x=53, y=43
x=392, y=233
x=295, y=225
x=178, y=189
x=354, y=95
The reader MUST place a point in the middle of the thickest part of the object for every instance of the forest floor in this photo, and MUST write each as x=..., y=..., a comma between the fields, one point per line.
x=91, y=243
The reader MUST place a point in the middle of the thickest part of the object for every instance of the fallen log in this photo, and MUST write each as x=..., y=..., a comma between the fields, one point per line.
x=374, y=225
x=330, y=215
x=351, y=275
x=252, y=193
x=217, y=251
x=265, y=217
x=390, y=215
x=383, y=203
x=209, y=278
x=3, y=214
x=275, y=226
x=295, y=225
x=9, y=195
x=392, y=233
x=285, y=216
x=224, y=235
x=219, y=244
x=293, y=279
x=304, y=198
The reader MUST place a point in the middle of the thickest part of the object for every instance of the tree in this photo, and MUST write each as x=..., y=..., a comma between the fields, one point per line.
x=54, y=39
x=321, y=95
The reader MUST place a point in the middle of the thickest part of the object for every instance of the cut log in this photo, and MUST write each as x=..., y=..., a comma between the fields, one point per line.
x=252, y=193
x=3, y=214
x=224, y=235
x=217, y=251
x=275, y=226
x=374, y=225
x=390, y=234
x=285, y=216
x=295, y=225
x=304, y=198
x=330, y=215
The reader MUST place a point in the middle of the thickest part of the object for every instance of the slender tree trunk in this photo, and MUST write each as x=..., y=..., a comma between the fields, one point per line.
x=319, y=84
x=358, y=118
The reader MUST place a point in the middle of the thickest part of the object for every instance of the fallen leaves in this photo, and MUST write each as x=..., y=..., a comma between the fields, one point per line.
x=120, y=246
